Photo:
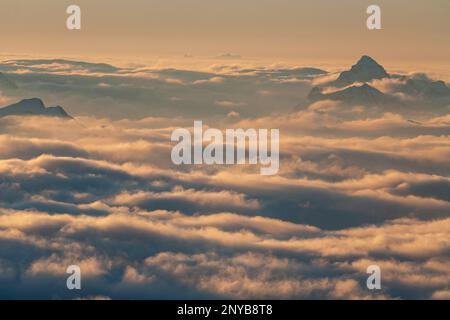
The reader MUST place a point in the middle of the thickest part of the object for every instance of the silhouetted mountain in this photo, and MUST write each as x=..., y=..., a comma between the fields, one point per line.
x=33, y=107
x=365, y=70
x=362, y=94
x=426, y=88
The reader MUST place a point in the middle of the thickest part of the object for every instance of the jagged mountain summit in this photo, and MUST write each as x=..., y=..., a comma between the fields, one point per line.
x=407, y=92
x=365, y=70
x=33, y=107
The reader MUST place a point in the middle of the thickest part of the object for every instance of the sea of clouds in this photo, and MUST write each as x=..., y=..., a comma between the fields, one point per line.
x=355, y=188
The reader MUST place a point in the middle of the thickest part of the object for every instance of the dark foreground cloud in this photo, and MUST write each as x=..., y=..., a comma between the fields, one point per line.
x=103, y=196
x=155, y=254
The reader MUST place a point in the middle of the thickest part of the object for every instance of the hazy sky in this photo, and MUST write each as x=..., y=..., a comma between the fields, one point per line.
x=413, y=30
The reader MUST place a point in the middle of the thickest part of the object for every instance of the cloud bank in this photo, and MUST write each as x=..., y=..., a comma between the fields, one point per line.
x=356, y=187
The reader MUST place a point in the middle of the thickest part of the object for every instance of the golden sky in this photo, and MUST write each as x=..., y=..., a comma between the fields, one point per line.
x=413, y=30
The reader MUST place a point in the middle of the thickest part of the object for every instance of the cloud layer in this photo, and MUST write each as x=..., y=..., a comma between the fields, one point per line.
x=355, y=188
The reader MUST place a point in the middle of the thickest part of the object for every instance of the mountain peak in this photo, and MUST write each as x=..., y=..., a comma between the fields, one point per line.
x=365, y=70
x=366, y=60
x=368, y=63
x=58, y=111
x=33, y=107
x=357, y=94
x=34, y=103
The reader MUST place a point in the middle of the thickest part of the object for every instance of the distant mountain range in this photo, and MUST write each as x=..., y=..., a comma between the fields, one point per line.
x=33, y=107
x=351, y=87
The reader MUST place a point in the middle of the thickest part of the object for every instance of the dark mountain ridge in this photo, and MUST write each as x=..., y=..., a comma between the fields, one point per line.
x=33, y=107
